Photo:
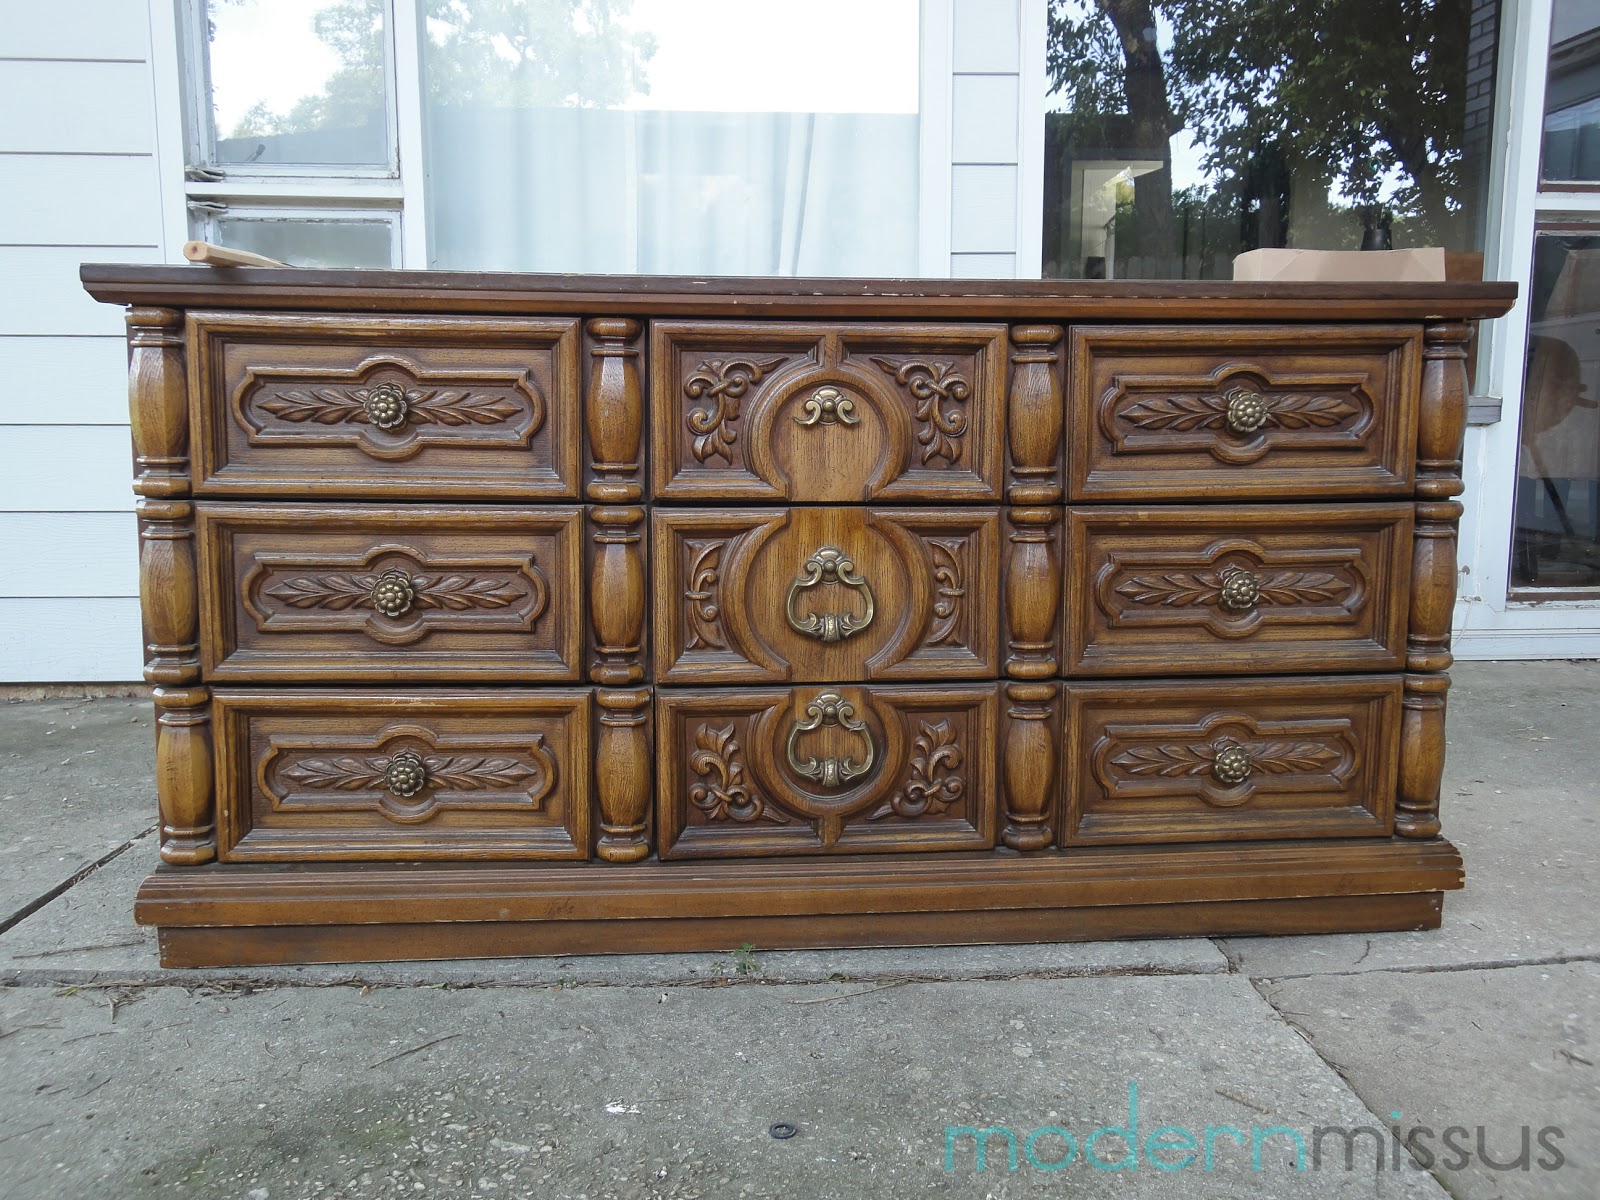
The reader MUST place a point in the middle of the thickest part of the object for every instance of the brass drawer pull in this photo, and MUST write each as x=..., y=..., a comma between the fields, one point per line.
x=1241, y=589
x=830, y=708
x=393, y=593
x=1247, y=412
x=386, y=406
x=829, y=565
x=1232, y=765
x=406, y=774
x=828, y=406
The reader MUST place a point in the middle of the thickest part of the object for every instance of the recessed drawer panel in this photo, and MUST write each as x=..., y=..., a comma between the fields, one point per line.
x=831, y=769
x=305, y=775
x=341, y=405
x=818, y=594
x=1213, y=589
x=1259, y=758
x=294, y=591
x=1201, y=412
x=826, y=413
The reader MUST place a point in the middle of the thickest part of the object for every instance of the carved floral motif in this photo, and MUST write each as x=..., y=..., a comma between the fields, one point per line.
x=948, y=590
x=457, y=773
x=721, y=383
x=705, y=580
x=1184, y=589
x=933, y=385
x=388, y=406
x=933, y=784
x=1185, y=413
x=1177, y=759
x=721, y=792
x=339, y=591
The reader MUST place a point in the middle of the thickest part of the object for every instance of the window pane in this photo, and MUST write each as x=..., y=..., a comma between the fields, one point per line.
x=721, y=137
x=298, y=82
x=310, y=242
x=1572, y=93
x=1180, y=133
x=1557, y=537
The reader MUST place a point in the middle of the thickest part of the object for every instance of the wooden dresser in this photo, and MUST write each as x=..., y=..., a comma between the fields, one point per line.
x=499, y=614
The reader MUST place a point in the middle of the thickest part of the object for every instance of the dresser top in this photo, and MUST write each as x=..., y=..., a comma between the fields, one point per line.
x=713, y=296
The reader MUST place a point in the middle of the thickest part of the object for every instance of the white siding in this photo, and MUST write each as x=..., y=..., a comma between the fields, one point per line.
x=78, y=182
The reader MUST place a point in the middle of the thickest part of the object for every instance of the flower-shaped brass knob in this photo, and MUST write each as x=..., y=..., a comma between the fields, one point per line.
x=406, y=774
x=386, y=406
x=1247, y=411
x=393, y=594
x=1241, y=588
x=1232, y=765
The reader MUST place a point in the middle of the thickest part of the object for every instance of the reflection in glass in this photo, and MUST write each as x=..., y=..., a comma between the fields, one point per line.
x=308, y=242
x=1557, y=527
x=1184, y=132
x=722, y=137
x=297, y=82
x=1572, y=93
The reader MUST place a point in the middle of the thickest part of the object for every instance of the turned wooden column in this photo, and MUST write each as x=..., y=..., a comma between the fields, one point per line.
x=618, y=591
x=1035, y=415
x=1441, y=427
x=169, y=585
x=1030, y=764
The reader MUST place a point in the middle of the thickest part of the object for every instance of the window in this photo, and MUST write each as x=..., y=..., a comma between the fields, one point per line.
x=1183, y=132
x=1556, y=524
x=592, y=135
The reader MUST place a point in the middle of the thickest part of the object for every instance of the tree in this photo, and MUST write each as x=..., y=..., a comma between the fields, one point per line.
x=1364, y=97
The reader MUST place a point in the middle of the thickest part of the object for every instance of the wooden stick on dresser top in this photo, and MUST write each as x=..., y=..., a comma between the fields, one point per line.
x=213, y=255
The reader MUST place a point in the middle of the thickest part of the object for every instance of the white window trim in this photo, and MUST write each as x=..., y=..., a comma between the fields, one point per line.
x=1488, y=623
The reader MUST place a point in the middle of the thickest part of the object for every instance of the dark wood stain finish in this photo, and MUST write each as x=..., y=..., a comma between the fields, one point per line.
x=798, y=613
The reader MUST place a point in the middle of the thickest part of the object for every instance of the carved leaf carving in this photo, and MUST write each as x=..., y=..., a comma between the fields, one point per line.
x=721, y=792
x=931, y=385
x=721, y=382
x=933, y=784
x=1174, y=760
x=1183, y=589
x=1185, y=413
x=460, y=773
x=333, y=406
x=948, y=590
x=338, y=591
x=704, y=615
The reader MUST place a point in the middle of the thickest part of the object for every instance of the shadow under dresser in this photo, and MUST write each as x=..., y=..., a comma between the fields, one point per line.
x=503, y=614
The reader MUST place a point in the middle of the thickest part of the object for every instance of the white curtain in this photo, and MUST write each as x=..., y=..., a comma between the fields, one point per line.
x=606, y=190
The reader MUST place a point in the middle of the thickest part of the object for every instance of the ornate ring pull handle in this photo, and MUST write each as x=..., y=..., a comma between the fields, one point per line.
x=406, y=774
x=830, y=708
x=828, y=406
x=1241, y=588
x=1232, y=765
x=1247, y=412
x=829, y=565
x=393, y=594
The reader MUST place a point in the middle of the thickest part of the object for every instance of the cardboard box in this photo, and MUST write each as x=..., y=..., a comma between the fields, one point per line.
x=1425, y=264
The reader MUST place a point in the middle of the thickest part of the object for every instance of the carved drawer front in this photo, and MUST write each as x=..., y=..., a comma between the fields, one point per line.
x=1275, y=411
x=776, y=411
x=303, y=592
x=1217, y=590
x=1217, y=761
x=820, y=594
x=343, y=405
x=825, y=769
x=402, y=775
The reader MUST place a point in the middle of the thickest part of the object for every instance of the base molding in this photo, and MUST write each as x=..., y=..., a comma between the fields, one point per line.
x=246, y=915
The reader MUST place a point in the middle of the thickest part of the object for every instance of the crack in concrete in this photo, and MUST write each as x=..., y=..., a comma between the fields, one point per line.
x=1492, y=964
x=72, y=881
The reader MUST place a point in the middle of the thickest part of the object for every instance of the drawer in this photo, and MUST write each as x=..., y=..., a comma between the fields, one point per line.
x=344, y=405
x=826, y=413
x=1204, y=411
x=305, y=775
x=820, y=594
x=1237, y=589
x=1165, y=761
x=298, y=592
x=812, y=770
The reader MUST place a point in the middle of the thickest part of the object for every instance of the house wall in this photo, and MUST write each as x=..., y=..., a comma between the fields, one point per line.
x=78, y=181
